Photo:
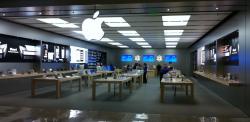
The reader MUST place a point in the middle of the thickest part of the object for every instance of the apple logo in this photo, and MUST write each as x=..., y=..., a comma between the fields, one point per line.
x=159, y=58
x=137, y=58
x=92, y=28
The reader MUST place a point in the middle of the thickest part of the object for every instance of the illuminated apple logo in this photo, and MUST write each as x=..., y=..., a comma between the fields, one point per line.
x=137, y=58
x=92, y=28
x=159, y=58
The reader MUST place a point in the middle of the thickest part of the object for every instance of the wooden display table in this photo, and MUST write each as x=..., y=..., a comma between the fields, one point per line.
x=135, y=77
x=118, y=71
x=26, y=75
x=58, y=82
x=176, y=82
x=16, y=76
x=151, y=73
x=110, y=81
x=90, y=77
x=106, y=72
x=218, y=80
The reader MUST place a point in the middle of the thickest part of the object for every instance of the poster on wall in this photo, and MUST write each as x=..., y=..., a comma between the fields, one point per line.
x=54, y=52
x=229, y=48
x=201, y=56
x=148, y=58
x=78, y=55
x=16, y=49
x=170, y=58
x=127, y=58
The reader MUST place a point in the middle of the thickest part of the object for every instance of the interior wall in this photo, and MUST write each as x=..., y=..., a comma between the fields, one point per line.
x=18, y=30
x=183, y=56
x=235, y=95
x=247, y=95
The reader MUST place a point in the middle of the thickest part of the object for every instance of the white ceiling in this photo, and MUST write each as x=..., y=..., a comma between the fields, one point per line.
x=148, y=25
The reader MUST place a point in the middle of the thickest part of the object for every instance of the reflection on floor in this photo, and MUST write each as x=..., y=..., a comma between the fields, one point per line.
x=144, y=99
x=25, y=114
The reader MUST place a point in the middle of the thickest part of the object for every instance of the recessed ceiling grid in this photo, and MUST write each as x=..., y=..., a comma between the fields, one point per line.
x=149, y=26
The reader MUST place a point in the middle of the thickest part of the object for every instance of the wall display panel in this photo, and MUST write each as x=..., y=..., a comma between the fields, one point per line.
x=170, y=58
x=126, y=58
x=16, y=49
x=201, y=56
x=148, y=58
x=96, y=57
x=210, y=53
x=54, y=53
x=229, y=48
x=78, y=55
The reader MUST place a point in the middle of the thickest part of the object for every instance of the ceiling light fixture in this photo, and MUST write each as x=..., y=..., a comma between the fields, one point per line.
x=172, y=39
x=129, y=33
x=67, y=25
x=115, y=21
x=123, y=46
x=177, y=20
x=171, y=43
x=137, y=39
x=170, y=46
x=106, y=40
x=116, y=43
x=148, y=46
x=78, y=32
x=173, y=32
x=142, y=43
x=58, y=22
x=52, y=20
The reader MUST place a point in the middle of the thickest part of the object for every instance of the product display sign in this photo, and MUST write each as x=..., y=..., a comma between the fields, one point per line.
x=170, y=58
x=229, y=48
x=148, y=58
x=16, y=49
x=127, y=58
x=96, y=57
x=78, y=55
x=54, y=52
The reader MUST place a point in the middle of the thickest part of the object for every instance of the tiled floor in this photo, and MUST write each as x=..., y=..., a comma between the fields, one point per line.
x=25, y=114
x=107, y=107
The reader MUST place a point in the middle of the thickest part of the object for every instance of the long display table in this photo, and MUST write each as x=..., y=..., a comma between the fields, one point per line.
x=110, y=81
x=26, y=75
x=176, y=82
x=57, y=81
x=218, y=80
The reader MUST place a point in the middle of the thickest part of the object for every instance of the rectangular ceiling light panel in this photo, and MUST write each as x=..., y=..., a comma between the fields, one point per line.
x=67, y=25
x=129, y=33
x=58, y=22
x=123, y=46
x=52, y=20
x=78, y=32
x=171, y=43
x=173, y=32
x=175, y=20
x=142, y=43
x=146, y=46
x=116, y=43
x=106, y=40
x=114, y=21
x=170, y=46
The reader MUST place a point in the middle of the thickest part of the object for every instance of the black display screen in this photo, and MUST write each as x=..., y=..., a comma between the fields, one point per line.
x=52, y=52
x=16, y=49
